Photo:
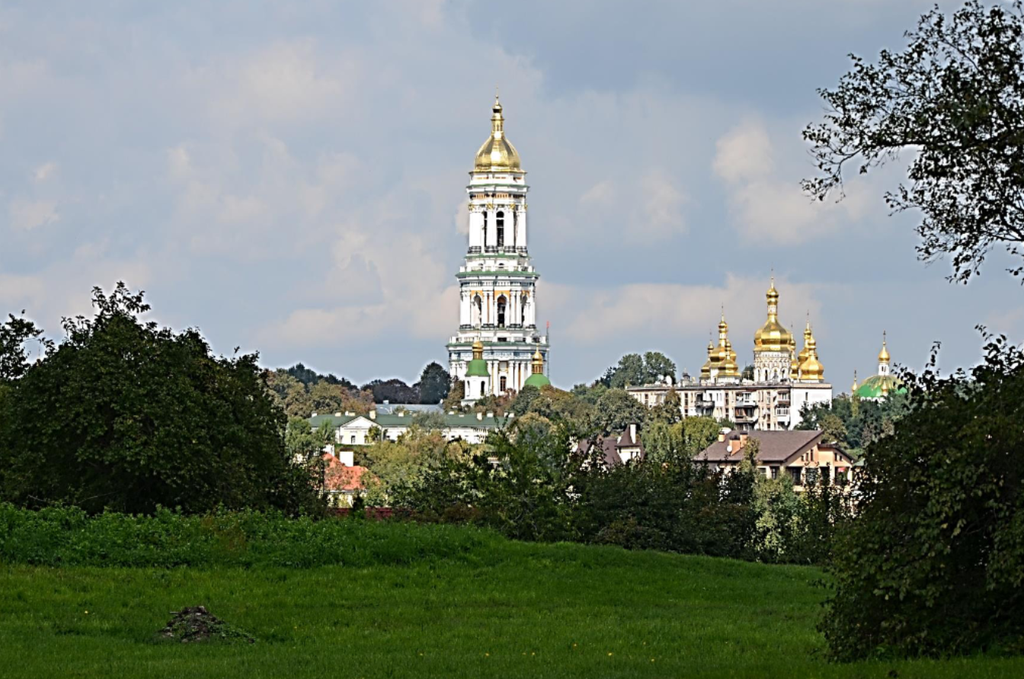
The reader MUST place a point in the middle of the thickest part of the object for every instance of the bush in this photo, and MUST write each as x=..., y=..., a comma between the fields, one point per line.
x=128, y=416
x=69, y=537
x=934, y=562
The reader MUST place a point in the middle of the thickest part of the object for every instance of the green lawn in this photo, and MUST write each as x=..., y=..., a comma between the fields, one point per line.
x=521, y=611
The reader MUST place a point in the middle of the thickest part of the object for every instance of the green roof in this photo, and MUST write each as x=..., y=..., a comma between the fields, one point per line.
x=477, y=368
x=877, y=386
x=388, y=421
x=537, y=380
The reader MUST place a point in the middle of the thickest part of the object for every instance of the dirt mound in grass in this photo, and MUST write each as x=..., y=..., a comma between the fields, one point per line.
x=196, y=624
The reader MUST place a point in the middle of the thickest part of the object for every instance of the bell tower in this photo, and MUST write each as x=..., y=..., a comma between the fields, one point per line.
x=497, y=282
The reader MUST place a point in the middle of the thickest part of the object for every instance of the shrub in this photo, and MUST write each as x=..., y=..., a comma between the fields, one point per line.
x=934, y=562
x=62, y=536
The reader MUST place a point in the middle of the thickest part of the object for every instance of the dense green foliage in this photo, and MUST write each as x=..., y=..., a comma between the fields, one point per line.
x=434, y=384
x=634, y=370
x=954, y=100
x=69, y=537
x=126, y=415
x=536, y=486
x=934, y=563
x=852, y=422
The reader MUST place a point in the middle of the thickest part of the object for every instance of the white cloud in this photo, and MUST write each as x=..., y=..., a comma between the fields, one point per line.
x=26, y=215
x=744, y=153
x=287, y=82
x=45, y=171
x=687, y=312
x=766, y=202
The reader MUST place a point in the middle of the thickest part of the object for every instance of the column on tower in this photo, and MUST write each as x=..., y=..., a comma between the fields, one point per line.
x=492, y=229
x=476, y=229
x=521, y=228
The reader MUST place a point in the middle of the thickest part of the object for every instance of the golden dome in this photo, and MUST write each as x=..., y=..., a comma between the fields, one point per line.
x=705, y=370
x=497, y=153
x=478, y=350
x=772, y=336
x=538, y=362
x=811, y=370
x=883, y=355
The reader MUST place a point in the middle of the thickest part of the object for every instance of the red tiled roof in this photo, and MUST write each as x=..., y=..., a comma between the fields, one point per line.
x=338, y=477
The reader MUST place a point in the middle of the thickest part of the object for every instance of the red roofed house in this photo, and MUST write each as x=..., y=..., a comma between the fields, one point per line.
x=801, y=454
x=342, y=482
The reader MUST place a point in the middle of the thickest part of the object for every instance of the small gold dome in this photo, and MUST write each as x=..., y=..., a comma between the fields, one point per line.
x=883, y=355
x=478, y=349
x=811, y=370
x=497, y=153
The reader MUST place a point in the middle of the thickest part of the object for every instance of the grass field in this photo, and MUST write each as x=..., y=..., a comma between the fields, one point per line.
x=521, y=610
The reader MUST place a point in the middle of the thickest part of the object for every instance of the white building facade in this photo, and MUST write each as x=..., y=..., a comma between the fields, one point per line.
x=497, y=283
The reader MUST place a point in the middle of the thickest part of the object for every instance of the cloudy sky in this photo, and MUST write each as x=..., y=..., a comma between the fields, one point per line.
x=289, y=176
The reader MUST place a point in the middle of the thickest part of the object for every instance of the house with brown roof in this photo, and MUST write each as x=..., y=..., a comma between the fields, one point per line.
x=619, y=449
x=803, y=455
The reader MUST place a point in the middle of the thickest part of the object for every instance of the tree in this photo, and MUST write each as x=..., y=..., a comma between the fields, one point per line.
x=524, y=399
x=748, y=372
x=435, y=382
x=617, y=409
x=657, y=365
x=934, y=562
x=662, y=441
x=428, y=421
x=305, y=443
x=15, y=333
x=955, y=99
x=699, y=433
x=126, y=415
x=453, y=402
x=636, y=370
x=392, y=391
x=669, y=410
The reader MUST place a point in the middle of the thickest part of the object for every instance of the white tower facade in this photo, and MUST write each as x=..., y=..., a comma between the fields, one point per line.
x=497, y=283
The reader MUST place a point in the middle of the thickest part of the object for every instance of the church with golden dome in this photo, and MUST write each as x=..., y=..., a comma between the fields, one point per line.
x=498, y=348
x=783, y=380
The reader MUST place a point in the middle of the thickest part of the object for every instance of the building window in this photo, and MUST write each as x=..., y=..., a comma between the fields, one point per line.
x=775, y=472
x=485, y=228
x=502, y=302
x=812, y=476
x=502, y=383
x=795, y=472
x=353, y=440
x=500, y=221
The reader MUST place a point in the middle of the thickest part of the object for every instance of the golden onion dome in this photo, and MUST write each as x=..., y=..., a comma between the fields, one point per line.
x=538, y=362
x=497, y=153
x=811, y=370
x=772, y=336
x=794, y=367
x=883, y=355
x=478, y=349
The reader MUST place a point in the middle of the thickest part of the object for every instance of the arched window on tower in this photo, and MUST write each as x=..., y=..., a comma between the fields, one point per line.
x=477, y=311
x=500, y=223
x=523, y=301
x=485, y=228
x=502, y=304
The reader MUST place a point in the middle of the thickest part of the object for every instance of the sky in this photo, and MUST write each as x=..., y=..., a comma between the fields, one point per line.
x=289, y=177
